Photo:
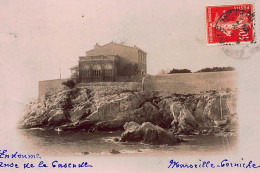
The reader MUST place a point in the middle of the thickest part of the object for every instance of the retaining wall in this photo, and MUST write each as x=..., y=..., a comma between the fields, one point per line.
x=185, y=83
x=109, y=87
x=49, y=87
x=190, y=83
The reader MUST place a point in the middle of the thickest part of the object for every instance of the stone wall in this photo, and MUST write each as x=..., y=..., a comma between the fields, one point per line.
x=190, y=83
x=186, y=83
x=49, y=87
x=112, y=86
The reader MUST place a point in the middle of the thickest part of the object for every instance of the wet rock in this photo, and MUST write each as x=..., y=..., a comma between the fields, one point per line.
x=227, y=128
x=150, y=136
x=85, y=153
x=216, y=130
x=112, y=125
x=132, y=126
x=116, y=139
x=132, y=132
x=57, y=118
x=147, y=133
x=209, y=131
x=84, y=125
x=113, y=151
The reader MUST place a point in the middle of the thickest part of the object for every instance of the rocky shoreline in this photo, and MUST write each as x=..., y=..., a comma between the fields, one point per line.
x=166, y=114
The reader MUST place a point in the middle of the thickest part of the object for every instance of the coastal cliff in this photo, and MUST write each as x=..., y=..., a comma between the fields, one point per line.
x=92, y=109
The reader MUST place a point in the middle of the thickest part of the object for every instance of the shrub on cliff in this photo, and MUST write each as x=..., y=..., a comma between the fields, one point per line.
x=130, y=70
x=179, y=71
x=215, y=69
x=69, y=83
x=75, y=77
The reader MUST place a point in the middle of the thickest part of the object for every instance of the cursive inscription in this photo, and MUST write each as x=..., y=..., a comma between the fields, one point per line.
x=7, y=160
x=208, y=164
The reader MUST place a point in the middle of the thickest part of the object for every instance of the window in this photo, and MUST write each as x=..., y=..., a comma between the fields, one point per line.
x=108, y=73
x=142, y=57
x=108, y=69
x=85, y=67
x=86, y=72
x=96, y=70
x=96, y=73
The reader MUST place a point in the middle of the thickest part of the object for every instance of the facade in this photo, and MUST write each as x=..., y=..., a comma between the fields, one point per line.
x=109, y=62
x=98, y=68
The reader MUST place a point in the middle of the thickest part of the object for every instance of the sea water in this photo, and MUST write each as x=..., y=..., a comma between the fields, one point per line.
x=53, y=143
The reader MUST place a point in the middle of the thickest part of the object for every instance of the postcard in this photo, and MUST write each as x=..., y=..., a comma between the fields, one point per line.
x=129, y=86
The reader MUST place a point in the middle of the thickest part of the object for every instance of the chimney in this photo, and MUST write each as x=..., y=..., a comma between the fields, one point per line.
x=96, y=46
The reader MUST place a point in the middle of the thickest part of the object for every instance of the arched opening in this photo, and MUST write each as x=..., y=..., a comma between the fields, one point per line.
x=96, y=70
x=86, y=70
x=108, y=69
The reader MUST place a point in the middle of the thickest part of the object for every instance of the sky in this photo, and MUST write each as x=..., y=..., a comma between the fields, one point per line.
x=39, y=36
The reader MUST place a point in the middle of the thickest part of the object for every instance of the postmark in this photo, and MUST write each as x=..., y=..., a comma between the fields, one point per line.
x=243, y=51
x=230, y=24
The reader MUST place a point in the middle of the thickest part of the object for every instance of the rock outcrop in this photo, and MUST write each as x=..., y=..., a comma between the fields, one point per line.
x=147, y=133
x=57, y=118
x=93, y=109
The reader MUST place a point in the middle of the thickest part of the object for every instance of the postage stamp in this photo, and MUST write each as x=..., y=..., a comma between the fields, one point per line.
x=230, y=24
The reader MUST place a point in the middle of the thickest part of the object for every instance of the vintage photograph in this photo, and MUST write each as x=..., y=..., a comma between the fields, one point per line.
x=111, y=102
x=94, y=79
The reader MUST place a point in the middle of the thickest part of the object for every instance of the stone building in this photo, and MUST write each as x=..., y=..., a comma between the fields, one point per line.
x=110, y=62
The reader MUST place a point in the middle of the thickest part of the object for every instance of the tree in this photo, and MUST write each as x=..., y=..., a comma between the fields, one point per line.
x=75, y=76
x=216, y=69
x=163, y=71
x=179, y=71
x=69, y=83
x=129, y=70
x=135, y=70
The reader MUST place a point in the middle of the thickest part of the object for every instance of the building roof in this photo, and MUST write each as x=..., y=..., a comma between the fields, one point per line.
x=98, y=57
x=75, y=67
x=135, y=47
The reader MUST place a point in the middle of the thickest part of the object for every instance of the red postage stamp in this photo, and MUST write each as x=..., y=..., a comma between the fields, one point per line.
x=230, y=24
